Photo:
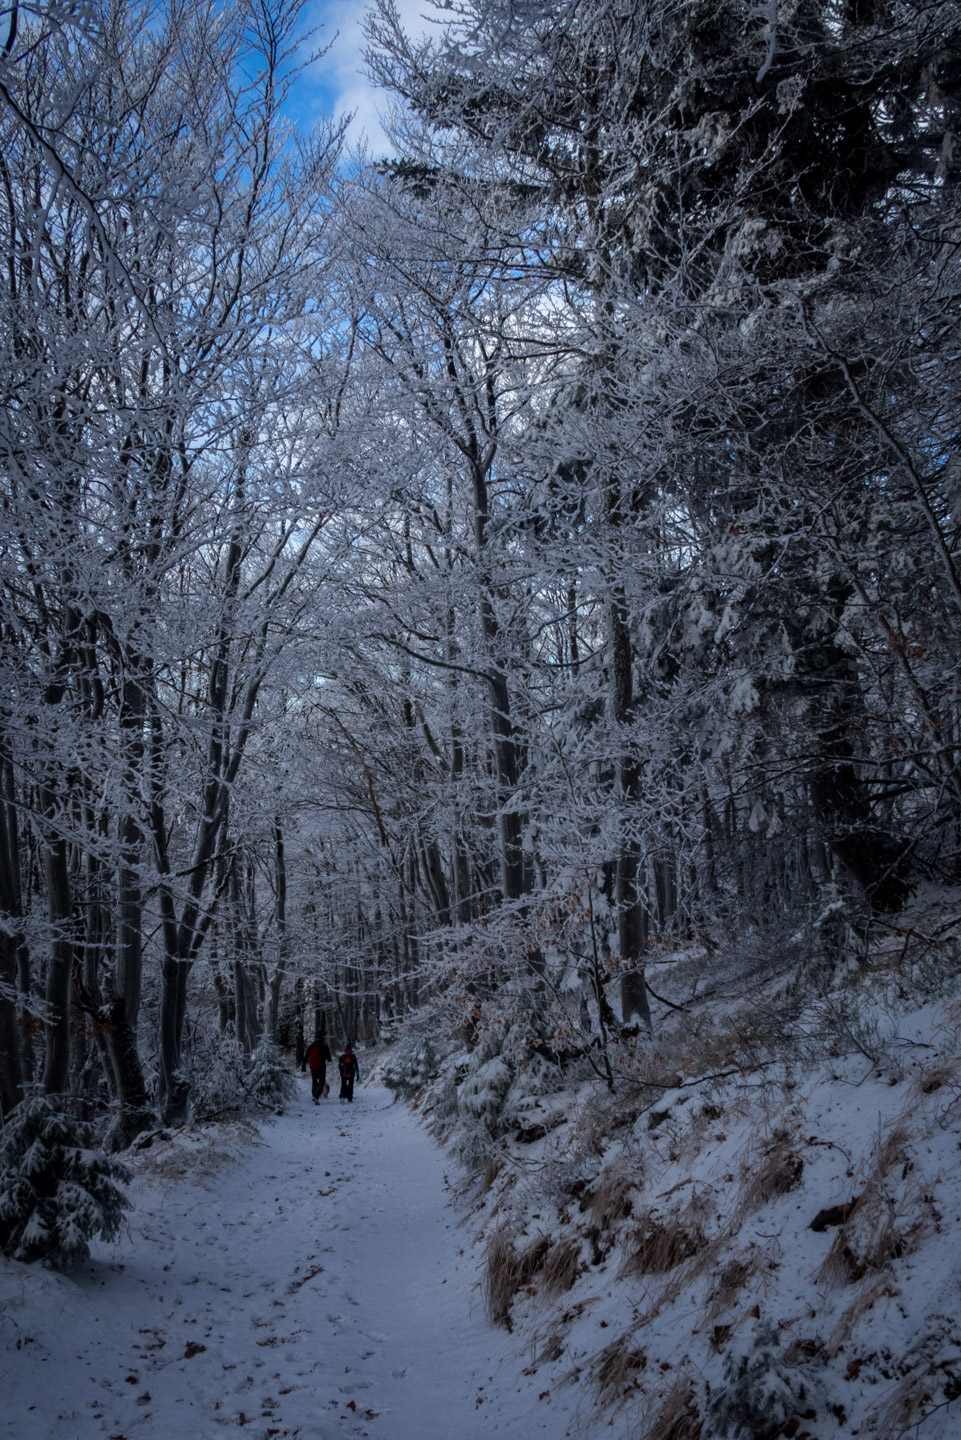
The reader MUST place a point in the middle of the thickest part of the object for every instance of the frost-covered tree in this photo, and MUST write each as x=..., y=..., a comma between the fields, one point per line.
x=162, y=490
x=56, y=1194
x=738, y=205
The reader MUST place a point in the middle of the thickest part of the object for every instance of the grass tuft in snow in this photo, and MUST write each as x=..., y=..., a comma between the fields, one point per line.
x=661, y=1243
x=678, y=1416
x=562, y=1265
x=507, y=1270
x=887, y=1217
x=611, y=1199
x=617, y=1367
x=771, y=1168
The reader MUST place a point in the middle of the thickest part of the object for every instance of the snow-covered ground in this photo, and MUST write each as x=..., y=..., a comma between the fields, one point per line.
x=760, y=1253
x=764, y=1249
x=304, y=1278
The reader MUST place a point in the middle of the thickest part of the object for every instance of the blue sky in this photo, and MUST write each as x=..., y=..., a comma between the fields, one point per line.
x=335, y=83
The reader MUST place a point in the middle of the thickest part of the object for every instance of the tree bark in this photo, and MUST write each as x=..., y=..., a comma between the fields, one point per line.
x=631, y=914
x=11, y=1067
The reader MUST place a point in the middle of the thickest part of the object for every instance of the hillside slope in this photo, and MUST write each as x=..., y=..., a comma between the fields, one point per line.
x=755, y=1233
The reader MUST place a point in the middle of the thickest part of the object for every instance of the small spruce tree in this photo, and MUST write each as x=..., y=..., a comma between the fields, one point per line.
x=269, y=1080
x=55, y=1193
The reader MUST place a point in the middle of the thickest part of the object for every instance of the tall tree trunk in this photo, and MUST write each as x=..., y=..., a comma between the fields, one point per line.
x=123, y=1005
x=277, y=978
x=11, y=1067
x=841, y=802
x=631, y=914
x=129, y=967
x=507, y=761
x=11, y=1071
x=56, y=1070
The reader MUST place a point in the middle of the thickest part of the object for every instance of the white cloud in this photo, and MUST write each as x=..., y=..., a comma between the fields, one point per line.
x=336, y=83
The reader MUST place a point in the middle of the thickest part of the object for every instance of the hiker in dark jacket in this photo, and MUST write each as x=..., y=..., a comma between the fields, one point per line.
x=316, y=1058
x=349, y=1072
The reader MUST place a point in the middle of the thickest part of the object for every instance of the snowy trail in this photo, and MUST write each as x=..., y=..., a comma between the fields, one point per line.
x=310, y=1284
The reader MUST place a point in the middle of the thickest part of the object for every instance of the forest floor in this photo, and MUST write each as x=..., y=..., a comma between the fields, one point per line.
x=756, y=1235
x=305, y=1277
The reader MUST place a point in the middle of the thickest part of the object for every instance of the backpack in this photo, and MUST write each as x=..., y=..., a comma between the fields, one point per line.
x=315, y=1056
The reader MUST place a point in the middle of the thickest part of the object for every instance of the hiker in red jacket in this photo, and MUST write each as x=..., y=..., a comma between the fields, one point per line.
x=316, y=1058
x=349, y=1072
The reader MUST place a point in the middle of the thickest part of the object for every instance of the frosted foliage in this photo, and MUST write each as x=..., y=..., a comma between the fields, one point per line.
x=532, y=1080
x=55, y=1194
x=226, y=1078
x=744, y=695
x=761, y=1392
x=216, y=1078
x=269, y=1080
x=482, y=1093
x=412, y=1063
x=503, y=1088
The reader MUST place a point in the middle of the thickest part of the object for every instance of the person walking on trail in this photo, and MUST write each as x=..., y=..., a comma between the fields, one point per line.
x=349, y=1072
x=316, y=1058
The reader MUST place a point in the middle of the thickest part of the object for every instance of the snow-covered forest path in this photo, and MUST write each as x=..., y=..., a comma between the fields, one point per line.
x=310, y=1281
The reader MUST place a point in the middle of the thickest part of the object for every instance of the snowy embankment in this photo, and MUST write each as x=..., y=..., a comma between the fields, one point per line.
x=304, y=1278
x=749, y=1247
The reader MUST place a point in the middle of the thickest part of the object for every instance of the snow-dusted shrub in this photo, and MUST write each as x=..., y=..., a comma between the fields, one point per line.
x=568, y=1178
x=268, y=1081
x=503, y=1082
x=216, y=1077
x=224, y=1079
x=410, y=1066
x=445, y=1105
x=532, y=1077
x=55, y=1193
x=499, y=1092
x=481, y=1097
x=830, y=930
x=473, y=1148
x=761, y=1391
x=480, y=1101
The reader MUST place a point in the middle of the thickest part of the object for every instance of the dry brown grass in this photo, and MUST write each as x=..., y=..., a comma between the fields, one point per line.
x=659, y=1244
x=936, y=1075
x=506, y=1271
x=491, y=1172
x=611, y=1200
x=198, y=1153
x=592, y=1128
x=729, y=1283
x=678, y=1416
x=561, y=1266
x=872, y=1289
x=899, y=1410
x=877, y=1231
x=616, y=1368
x=771, y=1168
x=885, y=1221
